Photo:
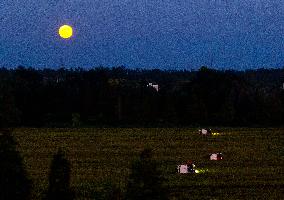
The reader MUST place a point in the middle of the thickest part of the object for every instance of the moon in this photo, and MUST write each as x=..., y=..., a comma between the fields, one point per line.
x=65, y=31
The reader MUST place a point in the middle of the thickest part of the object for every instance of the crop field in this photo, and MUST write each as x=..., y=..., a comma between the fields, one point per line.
x=252, y=168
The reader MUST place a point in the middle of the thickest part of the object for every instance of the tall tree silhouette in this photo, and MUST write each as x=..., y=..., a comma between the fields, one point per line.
x=145, y=180
x=14, y=183
x=59, y=178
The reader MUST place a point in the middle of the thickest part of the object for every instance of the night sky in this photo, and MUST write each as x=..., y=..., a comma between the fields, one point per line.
x=165, y=34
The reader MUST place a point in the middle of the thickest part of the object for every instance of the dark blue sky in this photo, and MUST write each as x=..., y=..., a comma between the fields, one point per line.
x=163, y=34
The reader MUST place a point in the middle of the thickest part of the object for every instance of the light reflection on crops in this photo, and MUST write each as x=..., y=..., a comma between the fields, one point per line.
x=201, y=170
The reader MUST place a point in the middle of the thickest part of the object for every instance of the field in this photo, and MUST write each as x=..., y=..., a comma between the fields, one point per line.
x=252, y=167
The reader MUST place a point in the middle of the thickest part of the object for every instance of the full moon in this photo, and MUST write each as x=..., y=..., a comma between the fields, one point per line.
x=65, y=31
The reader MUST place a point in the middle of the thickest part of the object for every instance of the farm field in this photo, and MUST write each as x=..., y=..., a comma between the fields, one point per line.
x=253, y=165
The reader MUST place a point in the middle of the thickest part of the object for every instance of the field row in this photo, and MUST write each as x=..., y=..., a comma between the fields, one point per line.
x=253, y=158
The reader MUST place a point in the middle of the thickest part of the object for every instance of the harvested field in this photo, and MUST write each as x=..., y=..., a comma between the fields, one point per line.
x=252, y=167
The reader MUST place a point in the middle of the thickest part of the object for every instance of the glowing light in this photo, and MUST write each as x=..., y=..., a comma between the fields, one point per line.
x=201, y=171
x=215, y=134
x=65, y=31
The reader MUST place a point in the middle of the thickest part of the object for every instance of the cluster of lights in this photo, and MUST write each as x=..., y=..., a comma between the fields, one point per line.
x=216, y=133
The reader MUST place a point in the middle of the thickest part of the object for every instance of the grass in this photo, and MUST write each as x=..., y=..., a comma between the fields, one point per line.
x=252, y=167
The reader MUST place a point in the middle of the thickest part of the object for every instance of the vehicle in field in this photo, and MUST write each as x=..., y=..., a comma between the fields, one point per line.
x=205, y=131
x=216, y=156
x=186, y=168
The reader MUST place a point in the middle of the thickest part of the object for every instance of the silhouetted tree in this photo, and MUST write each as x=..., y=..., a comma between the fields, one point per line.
x=145, y=180
x=76, y=120
x=120, y=97
x=9, y=113
x=59, y=178
x=14, y=183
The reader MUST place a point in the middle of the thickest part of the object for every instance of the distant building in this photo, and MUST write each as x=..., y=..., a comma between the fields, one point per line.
x=155, y=86
x=47, y=79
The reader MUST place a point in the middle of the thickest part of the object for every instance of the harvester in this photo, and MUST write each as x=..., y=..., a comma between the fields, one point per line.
x=186, y=168
x=216, y=156
x=206, y=131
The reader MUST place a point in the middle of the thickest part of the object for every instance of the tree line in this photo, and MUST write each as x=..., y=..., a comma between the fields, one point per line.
x=144, y=182
x=122, y=97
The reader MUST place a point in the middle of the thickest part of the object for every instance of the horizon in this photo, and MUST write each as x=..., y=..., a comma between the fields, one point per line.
x=139, y=68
